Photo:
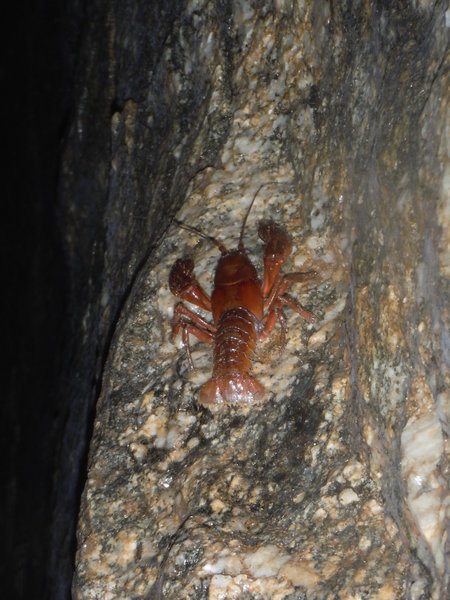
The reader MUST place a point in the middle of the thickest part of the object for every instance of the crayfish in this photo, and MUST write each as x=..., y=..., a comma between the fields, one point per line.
x=244, y=310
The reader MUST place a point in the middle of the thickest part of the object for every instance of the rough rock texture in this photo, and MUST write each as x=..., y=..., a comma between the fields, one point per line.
x=334, y=487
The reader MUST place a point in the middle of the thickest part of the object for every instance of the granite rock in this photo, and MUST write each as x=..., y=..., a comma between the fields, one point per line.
x=335, y=485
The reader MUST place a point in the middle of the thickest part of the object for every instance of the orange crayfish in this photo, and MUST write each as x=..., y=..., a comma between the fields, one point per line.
x=244, y=310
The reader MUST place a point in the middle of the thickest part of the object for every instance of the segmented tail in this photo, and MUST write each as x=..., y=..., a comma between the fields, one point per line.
x=235, y=345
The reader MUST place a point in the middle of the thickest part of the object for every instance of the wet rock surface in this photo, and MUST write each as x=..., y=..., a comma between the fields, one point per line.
x=334, y=485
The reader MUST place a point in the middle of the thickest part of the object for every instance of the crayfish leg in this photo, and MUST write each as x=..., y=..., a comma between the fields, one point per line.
x=301, y=310
x=301, y=277
x=191, y=323
x=269, y=322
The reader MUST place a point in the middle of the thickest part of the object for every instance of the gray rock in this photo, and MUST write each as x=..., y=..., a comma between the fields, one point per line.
x=334, y=485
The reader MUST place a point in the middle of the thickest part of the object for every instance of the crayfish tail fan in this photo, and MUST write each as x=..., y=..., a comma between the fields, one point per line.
x=237, y=388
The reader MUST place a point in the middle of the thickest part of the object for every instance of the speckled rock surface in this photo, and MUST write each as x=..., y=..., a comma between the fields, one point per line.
x=334, y=486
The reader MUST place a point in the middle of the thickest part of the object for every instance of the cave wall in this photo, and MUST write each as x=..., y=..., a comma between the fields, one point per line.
x=114, y=202
x=196, y=104
x=344, y=105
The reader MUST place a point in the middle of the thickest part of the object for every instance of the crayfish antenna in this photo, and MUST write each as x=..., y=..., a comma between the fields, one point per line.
x=241, y=237
x=212, y=239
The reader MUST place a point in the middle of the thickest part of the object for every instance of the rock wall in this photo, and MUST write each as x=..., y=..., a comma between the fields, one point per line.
x=334, y=486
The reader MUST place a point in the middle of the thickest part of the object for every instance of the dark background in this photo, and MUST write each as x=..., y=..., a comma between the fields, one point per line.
x=37, y=82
